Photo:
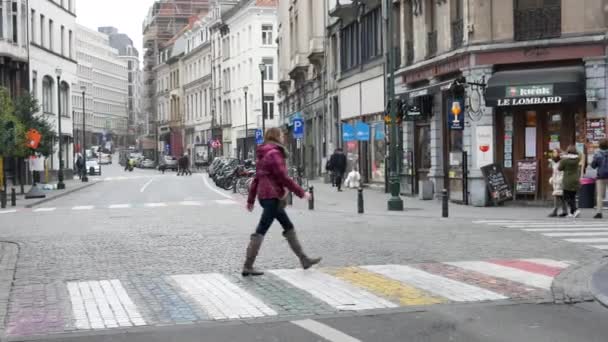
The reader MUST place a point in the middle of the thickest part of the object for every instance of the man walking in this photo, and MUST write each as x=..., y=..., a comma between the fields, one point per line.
x=600, y=163
x=184, y=165
x=337, y=163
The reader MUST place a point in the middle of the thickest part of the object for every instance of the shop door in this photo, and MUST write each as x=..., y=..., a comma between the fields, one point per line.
x=422, y=153
x=556, y=130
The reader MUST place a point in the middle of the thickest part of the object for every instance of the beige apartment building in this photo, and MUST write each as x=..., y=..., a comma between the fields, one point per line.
x=533, y=76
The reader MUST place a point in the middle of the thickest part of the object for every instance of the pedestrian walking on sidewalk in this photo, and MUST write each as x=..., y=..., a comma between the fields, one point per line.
x=271, y=185
x=556, y=181
x=600, y=163
x=570, y=164
x=337, y=163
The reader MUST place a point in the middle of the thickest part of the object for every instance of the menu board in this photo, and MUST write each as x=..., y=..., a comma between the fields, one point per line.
x=526, y=178
x=508, y=145
x=500, y=191
x=595, y=130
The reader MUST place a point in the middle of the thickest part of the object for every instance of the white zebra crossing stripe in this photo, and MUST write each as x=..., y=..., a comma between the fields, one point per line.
x=226, y=202
x=576, y=234
x=501, y=222
x=10, y=211
x=155, y=205
x=39, y=210
x=538, y=230
x=513, y=274
x=102, y=304
x=335, y=292
x=191, y=203
x=220, y=298
x=119, y=206
x=551, y=263
x=600, y=246
x=557, y=225
x=588, y=240
x=83, y=207
x=328, y=333
x=438, y=285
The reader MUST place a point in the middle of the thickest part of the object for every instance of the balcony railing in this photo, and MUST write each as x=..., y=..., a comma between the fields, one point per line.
x=538, y=23
x=409, y=54
x=457, y=33
x=431, y=44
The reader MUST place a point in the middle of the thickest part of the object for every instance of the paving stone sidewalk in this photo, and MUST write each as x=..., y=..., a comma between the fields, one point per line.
x=8, y=263
x=71, y=186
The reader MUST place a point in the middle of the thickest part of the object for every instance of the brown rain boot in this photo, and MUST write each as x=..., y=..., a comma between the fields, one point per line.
x=252, y=252
x=292, y=239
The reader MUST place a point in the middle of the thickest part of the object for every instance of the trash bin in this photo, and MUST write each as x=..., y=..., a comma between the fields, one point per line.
x=586, y=195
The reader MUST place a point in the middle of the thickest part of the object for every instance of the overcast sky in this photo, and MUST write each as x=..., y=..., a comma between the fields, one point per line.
x=126, y=15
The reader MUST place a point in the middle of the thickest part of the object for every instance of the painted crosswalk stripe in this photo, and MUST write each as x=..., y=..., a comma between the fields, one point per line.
x=226, y=202
x=83, y=207
x=501, y=222
x=571, y=229
x=102, y=304
x=557, y=225
x=155, y=205
x=8, y=211
x=528, y=266
x=119, y=206
x=531, y=279
x=402, y=293
x=588, y=240
x=220, y=298
x=600, y=246
x=445, y=287
x=191, y=203
x=552, y=263
x=44, y=210
x=575, y=234
x=325, y=331
x=335, y=292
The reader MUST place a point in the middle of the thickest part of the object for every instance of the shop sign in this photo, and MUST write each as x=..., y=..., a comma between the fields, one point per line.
x=259, y=136
x=497, y=184
x=530, y=91
x=484, y=138
x=348, y=132
x=379, y=131
x=413, y=113
x=525, y=101
x=455, y=117
x=362, y=131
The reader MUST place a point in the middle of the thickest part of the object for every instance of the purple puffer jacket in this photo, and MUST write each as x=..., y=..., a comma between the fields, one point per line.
x=271, y=178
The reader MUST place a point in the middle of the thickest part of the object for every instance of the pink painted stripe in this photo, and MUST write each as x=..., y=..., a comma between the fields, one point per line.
x=529, y=267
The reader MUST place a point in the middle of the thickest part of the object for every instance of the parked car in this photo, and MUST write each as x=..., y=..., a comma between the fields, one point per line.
x=168, y=163
x=105, y=158
x=147, y=164
x=93, y=167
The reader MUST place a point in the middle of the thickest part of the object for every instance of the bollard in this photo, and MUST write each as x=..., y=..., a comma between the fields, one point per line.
x=360, y=201
x=289, y=198
x=234, y=185
x=444, y=204
x=3, y=199
x=311, y=201
x=13, y=197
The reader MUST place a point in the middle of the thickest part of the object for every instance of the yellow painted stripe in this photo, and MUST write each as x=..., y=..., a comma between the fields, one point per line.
x=404, y=294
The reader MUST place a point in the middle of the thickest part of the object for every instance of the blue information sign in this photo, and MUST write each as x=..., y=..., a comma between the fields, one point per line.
x=298, y=128
x=259, y=137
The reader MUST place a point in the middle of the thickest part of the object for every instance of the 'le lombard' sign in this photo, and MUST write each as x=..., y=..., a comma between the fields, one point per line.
x=529, y=95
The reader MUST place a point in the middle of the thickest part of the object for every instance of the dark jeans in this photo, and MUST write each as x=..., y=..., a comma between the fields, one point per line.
x=570, y=198
x=272, y=211
x=339, y=180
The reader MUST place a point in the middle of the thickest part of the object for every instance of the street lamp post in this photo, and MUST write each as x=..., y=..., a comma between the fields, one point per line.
x=395, y=203
x=246, y=89
x=262, y=73
x=60, y=184
x=83, y=145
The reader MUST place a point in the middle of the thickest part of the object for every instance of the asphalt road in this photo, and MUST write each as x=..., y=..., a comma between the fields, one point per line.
x=157, y=244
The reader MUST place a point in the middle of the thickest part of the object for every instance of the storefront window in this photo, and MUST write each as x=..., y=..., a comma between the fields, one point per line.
x=378, y=152
x=530, y=142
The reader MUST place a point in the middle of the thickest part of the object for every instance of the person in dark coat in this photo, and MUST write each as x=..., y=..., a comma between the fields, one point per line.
x=337, y=163
x=271, y=186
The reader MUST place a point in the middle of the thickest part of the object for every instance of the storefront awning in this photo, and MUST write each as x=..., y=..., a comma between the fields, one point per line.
x=536, y=87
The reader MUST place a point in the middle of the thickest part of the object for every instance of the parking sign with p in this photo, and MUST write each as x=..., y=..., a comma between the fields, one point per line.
x=298, y=128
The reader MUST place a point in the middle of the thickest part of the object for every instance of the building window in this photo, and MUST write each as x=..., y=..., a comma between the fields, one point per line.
x=42, y=31
x=64, y=97
x=32, y=26
x=1, y=19
x=371, y=35
x=269, y=106
x=47, y=95
x=349, y=46
x=34, y=84
x=62, y=40
x=269, y=73
x=266, y=34
x=51, y=43
x=537, y=19
x=14, y=24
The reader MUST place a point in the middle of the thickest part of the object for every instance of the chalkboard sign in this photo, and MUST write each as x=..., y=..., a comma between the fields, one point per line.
x=526, y=179
x=500, y=191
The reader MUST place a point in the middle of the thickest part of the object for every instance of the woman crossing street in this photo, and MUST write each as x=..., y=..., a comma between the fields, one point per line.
x=271, y=186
